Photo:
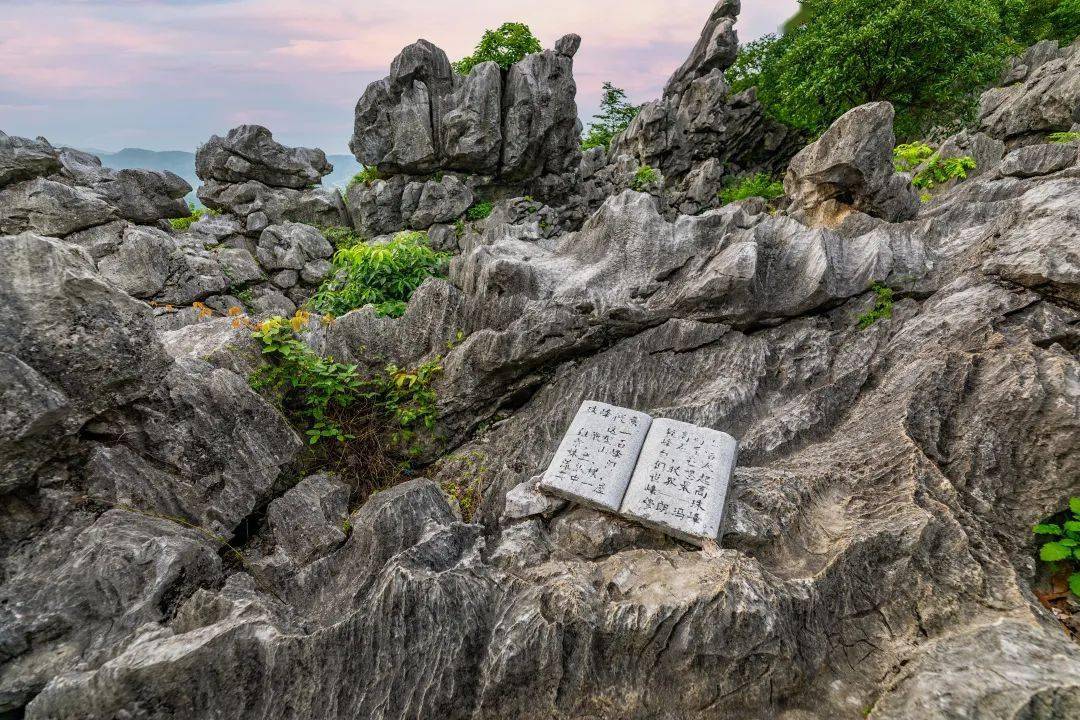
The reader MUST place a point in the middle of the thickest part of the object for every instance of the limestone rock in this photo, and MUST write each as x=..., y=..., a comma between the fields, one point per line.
x=139, y=195
x=50, y=208
x=1039, y=160
x=24, y=159
x=307, y=521
x=472, y=126
x=249, y=152
x=1044, y=102
x=849, y=168
x=424, y=204
x=290, y=246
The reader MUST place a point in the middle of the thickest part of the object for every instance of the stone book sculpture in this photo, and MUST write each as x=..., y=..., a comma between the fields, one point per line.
x=667, y=474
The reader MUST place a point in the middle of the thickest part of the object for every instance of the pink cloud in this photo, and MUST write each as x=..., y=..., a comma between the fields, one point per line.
x=300, y=65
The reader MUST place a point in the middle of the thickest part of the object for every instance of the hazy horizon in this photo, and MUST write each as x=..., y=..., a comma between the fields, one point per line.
x=164, y=75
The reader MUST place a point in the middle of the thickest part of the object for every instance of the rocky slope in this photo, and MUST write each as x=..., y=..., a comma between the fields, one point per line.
x=879, y=562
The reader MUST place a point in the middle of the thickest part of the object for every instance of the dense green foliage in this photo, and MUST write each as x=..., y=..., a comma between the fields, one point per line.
x=746, y=70
x=405, y=395
x=479, y=210
x=927, y=167
x=761, y=185
x=928, y=57
x=1063, y=552
x=883, y=306
x=1034, y=20
x=504, y=46
x=196, y=214
x=381, y=274
x=309, y=385
x=615, y=114
x=644, y=177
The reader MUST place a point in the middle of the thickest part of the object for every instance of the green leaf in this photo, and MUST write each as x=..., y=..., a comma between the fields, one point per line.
x=1053, y=551
x=1074, y=505
x=1047, y=529
x=1068, y=542
x=1074, y=584
x=1072, y=526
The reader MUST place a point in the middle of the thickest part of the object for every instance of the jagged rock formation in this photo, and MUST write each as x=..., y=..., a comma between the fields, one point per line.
x=496, y=132
x=250, y=175
x=697, y=134
x=850, y=168
x=1041, y=96
x=879, y=560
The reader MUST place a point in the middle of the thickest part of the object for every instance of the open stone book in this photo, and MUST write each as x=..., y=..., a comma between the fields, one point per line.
x=667, y=474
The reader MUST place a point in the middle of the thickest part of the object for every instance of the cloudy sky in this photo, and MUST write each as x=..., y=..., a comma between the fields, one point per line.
x=166, y=74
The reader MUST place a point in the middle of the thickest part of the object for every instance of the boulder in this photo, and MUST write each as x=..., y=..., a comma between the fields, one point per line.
x=75, y=344
x=148, y=263
x=850, y=168
x=144, y=196
x=472, y=125
x=24, y=159
x=427, y=203
x=291, y=246
x=249, y=152
x=261, y=205
x=1036, y=160
x=1045, y=101
x=308, y=520
x=51, y=208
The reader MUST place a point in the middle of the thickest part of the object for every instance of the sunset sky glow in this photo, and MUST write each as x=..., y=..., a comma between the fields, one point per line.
x=166, y=74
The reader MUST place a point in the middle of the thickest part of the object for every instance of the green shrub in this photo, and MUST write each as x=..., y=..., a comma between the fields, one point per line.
x=1034, y=20
x=883, y=306
x=940, y=170
x=309, y=385
x=1063, y=137
x=184, y=223
x=761, y=185
x=384, y=275
x=366, y=176
x=930, y=58
x=479, y=211
x=341, y=237
x=644, y=177
x=911, y=155
x=504, y=46
x=1063, y=552
x=615, y=114
x=406, y=397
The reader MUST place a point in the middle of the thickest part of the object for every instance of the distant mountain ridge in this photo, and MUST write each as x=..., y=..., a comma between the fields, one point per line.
x=182, y=163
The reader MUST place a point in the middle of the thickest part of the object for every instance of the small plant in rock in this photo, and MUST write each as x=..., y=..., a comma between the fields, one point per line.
x=405, y=395
x=939, y=170
x=883, y=306
x=761, y=185
x=1062, y=552
x=908, y=156
x=1063, y=137
x=466, y=486
x=644, y=177
x=366, y=176
x=381, y=274
x=505, y=46
x=615, y=115
x=479, y=210
x=308, y=384
x=197, y=214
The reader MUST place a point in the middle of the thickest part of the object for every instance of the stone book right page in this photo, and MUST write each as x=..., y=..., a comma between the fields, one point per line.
x=680, y=484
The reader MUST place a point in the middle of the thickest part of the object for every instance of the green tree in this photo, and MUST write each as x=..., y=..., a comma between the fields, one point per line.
x=928, y=57
x=1065, y=20
x=505, y=46
x=615, y=114
x=746, y=70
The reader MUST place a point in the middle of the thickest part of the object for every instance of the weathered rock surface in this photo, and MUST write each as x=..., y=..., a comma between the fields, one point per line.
x=850, y=168
x=1043, y=98
x=879, y=562
x=249, y=152
x=25, y=159
x=50, y=208
x=139, y=195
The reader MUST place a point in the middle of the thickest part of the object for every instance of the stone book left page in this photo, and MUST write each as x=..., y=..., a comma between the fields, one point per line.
x=596, y=457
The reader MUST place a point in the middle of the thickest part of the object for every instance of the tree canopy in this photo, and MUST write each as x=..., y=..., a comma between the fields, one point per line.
x=928, y=57
x=615, y=114
x=507, y=45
